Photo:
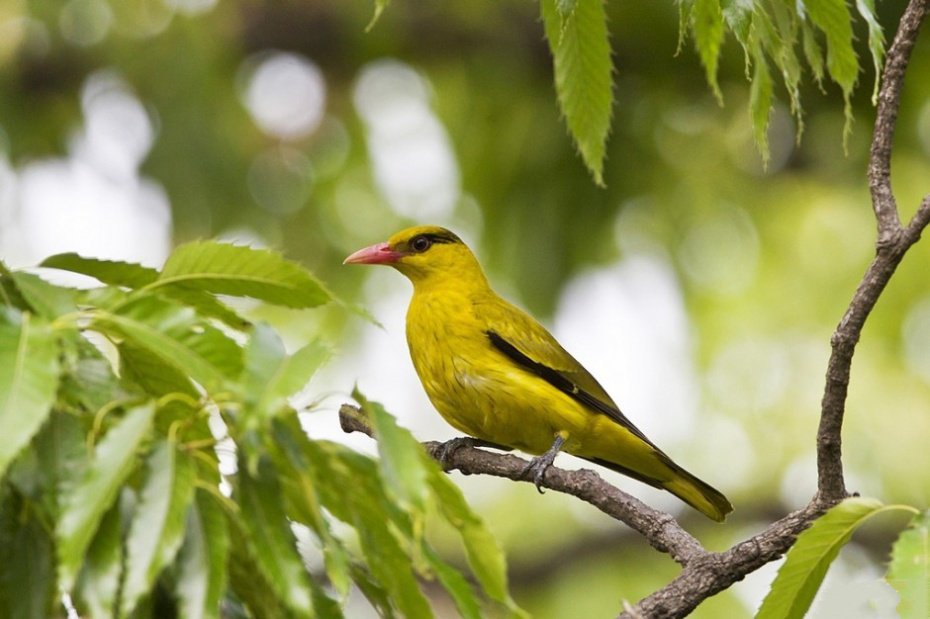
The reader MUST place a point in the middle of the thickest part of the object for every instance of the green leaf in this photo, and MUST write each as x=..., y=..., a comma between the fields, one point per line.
x=27, y=557
x=271, y=376
x=760, y=104
x=909, y=572
x=806, y=564
x=403, y=466
x=201, y=580
x=300, y=487
x=242, y=271
x=86, y=502
x=97, y=587
x=176, y=337
x=158, y=525
x=453, y=582
x=28, y=380
x=271, y=540
x=366, y=508
x=583, y=75
x=708, y=37
x=833, y=18
x=866, y=9
x=115, y=273
x=380, y=5
x=485, y=556
x=812, y=52
x=48, y=300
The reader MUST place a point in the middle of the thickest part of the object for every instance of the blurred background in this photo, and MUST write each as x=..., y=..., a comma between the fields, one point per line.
x=699, y=286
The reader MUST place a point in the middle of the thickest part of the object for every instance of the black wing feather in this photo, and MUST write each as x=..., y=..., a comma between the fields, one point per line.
x=565, y=385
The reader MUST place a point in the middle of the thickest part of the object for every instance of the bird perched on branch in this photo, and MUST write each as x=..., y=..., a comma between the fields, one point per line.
x=496, y=374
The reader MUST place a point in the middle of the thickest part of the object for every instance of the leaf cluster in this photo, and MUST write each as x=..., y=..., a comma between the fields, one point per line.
x=151, y=463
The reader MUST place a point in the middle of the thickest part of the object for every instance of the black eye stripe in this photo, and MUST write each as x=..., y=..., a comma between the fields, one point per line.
x=422, y=242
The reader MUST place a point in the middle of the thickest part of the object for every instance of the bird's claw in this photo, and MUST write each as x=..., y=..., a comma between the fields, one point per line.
x=536, y=470
x=448, y=449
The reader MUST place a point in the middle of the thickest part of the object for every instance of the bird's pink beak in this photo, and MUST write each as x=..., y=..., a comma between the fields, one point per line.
x=375, y=254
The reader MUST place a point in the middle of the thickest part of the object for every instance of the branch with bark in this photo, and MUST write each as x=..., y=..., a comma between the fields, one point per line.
x=705, y=573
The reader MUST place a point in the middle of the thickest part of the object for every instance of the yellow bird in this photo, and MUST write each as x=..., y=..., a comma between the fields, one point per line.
x=496, y=374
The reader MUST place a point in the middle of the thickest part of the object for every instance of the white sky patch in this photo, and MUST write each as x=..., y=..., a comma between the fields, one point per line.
x=410, y=151
x=93, y=201
x=285, y=93
x=628, y=326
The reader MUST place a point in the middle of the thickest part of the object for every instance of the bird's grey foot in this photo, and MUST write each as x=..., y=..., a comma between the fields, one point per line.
x=537, y=467
x=451, y=446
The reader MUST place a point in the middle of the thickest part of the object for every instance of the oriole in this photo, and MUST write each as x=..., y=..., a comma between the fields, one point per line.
x=496, y=374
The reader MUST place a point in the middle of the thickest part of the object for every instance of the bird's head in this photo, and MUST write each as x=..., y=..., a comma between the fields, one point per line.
x=423, y=254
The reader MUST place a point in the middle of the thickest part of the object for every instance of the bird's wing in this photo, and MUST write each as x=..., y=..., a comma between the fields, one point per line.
x=529, y=345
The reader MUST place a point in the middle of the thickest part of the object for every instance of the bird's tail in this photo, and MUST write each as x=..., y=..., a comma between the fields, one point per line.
x=696, y=493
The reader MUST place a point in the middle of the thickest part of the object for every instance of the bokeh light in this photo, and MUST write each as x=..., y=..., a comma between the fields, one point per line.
x=285, y=93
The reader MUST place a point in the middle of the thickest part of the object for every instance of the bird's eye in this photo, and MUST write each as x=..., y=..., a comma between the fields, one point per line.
x=420, y=244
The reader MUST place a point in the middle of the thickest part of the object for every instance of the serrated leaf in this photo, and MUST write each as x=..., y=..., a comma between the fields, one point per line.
x=807, y=562
x=47, y=300
x=271, y=376
x=833, y=18
x=299, y=486
x=97, y=586
x=28, y=380
x=707, y=22
x=176, y=337
x=485, y=556
x=760, y=104
x=812, y=52
x=235, y=270
x=113, y=272
x=909, y=572
x=453, y=582
x=157, y=528
x=403, y=467
x=86, y=502
x=271, y=540
x=336, y=468
x=202, y=575
x=866, y=9
x=583, y=76
x=27, y=557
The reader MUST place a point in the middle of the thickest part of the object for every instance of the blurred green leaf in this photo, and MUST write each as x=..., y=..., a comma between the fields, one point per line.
x=380, y=5
x=485, y=556
x=583, y=75
x=242, y=271
x=403, y=467
x=27, y=557
x=201, y=580
x=866, y=9
x=707, y=21
x=453, y=582
x=176, y=337
x=812, y=52
x=336, y=468
x=806, y=564
x=760, y=104
x=28, y=380
x=247, y=579
x=909, y=572
x=85, y=503
x=48, y=300
x=111, y=272
x=271, y=540
x=98, y=584
x=157, y=527
x=271, y=376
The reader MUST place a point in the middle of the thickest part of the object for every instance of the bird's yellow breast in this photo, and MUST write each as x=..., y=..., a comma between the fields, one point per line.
x=475, y=387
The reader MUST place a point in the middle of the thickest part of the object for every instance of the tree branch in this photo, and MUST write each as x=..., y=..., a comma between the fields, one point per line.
x=706, y=573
